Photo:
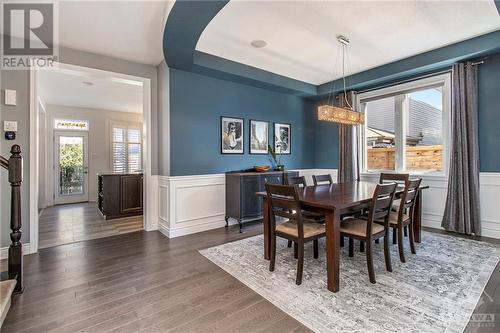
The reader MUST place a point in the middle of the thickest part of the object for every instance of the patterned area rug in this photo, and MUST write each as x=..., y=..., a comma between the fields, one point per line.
x=436, y=290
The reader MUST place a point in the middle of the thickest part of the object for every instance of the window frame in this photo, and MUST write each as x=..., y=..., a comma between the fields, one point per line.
x=443, y=80
x=127, y=126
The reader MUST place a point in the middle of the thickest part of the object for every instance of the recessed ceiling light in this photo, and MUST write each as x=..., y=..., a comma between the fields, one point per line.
x=88, y=83
x=258, y=43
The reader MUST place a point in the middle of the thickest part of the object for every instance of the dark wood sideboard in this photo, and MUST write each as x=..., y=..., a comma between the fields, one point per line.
x=119, y=195
x=241, y=202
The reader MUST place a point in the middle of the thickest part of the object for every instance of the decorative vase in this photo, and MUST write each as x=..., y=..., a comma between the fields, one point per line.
x=280, y=167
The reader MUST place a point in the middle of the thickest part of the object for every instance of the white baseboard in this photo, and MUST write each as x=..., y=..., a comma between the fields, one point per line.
x=4, y=251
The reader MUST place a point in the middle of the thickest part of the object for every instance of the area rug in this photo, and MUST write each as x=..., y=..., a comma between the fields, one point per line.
x=436, y=290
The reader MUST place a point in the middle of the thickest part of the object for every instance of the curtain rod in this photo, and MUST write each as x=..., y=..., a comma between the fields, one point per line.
x=477, y=63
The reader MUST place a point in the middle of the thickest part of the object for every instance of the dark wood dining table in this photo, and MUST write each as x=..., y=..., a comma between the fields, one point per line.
x=333, y=201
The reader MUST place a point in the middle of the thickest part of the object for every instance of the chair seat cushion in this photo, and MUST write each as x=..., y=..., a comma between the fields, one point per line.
x=357, y=227
x=313, y=216
x=311, y=229
x=393, y=218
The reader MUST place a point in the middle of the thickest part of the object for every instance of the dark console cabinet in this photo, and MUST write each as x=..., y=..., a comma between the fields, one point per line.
x=119, y=195
x=241, y=202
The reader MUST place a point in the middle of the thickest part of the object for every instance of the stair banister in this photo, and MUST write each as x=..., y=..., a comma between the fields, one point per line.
x=15, y=167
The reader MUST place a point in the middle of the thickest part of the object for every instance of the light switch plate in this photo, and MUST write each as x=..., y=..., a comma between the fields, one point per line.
x=10, y=97
x=10, y=126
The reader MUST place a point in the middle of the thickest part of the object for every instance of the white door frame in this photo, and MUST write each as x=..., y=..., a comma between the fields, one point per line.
x=55, y=170
x=148, y=190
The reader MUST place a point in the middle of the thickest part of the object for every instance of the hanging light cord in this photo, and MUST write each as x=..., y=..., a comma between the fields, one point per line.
x=343, y=75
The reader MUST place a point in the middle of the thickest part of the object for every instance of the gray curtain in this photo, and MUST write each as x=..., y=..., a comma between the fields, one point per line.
x=348, y=146
x=462, y=211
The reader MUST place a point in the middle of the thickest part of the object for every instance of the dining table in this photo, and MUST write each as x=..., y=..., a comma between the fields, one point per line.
x=334, y=201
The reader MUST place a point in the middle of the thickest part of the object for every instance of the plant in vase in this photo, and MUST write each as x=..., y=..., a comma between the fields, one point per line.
x=276, y=158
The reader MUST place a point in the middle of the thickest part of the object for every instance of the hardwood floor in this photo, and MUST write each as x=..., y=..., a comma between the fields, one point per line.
x=143, y=281
x=65, y=224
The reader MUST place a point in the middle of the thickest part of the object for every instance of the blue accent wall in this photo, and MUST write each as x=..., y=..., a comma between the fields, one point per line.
x=196, y=104
x=489, y=114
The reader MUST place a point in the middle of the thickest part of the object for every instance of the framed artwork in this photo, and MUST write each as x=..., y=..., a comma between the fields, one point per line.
x=259, y=136
x=231, y=135
x=282, y=138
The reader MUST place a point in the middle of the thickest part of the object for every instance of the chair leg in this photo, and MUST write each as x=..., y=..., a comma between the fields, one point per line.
x=394, y=236
x=387, y=252
x=295, y=250
x=351, y=247
x=300, y=263
x=406, y=231
x=369, y=261
x=273, y=253
x=316, y=248
x=341, y=241
x=400, y=244
x=289, y=243
x=412, y=240
x=361, y=246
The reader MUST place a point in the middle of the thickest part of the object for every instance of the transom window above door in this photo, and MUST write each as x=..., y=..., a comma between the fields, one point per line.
x=406, y=127
x=75, y=125
x=126, y=148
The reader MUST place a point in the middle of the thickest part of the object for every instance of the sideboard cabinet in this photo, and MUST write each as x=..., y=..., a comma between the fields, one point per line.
x=241, y=202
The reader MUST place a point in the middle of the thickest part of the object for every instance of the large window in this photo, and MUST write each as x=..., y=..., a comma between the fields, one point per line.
x=406, y=126
x=126, y=148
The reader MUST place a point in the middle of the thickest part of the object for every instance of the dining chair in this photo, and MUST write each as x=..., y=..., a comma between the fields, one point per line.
x=403, y=218
x=284, y=202
x=300, y=181
x=322, y=180
x=367, y=230
x=400, y=179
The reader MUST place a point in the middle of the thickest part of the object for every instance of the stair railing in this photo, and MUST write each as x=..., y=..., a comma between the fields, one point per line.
x=14, y=165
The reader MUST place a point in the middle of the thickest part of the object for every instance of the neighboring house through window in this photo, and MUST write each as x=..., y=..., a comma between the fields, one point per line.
x=406, y=126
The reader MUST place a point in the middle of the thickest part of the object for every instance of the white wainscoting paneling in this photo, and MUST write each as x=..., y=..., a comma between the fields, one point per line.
x=190, y=204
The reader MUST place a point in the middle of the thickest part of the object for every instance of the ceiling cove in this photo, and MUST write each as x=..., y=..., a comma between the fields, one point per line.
x=188, y=20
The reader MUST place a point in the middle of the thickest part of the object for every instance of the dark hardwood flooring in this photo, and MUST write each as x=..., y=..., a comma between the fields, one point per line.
x=64, y=224
x=143, y=281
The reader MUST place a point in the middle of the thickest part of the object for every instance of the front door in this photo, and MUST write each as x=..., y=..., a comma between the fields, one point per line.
x=71, y=167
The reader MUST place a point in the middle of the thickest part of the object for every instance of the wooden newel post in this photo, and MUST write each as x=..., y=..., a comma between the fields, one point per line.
x=16, y=248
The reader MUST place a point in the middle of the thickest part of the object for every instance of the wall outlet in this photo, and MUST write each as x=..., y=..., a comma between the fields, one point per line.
x=10, y=97
x=10, y=126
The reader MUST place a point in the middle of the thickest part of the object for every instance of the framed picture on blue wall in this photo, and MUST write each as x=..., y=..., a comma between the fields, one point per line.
x=259, y=136
x=282, y=138
x=231, y=135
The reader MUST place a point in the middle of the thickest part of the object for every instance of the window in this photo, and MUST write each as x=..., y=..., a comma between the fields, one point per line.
x=126, y=148
x=77, y=125
x=406, y=126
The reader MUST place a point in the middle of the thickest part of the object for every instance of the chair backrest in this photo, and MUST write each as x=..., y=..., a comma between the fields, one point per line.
x=322, y=179
x=393, y=177
x=284, y=202
x=409, y=196
x=381, y=204
x=299, y=180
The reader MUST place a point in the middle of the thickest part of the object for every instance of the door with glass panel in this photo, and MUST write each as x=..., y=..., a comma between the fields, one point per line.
x=71, y=167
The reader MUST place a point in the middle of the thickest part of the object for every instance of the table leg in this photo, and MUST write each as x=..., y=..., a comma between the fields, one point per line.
x=417, y=218
x=267, y=233
x=332, y=249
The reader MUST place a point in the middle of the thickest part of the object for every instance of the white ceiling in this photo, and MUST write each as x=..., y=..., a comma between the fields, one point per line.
x=66, y=87
x=301, y=35
x=130, y=30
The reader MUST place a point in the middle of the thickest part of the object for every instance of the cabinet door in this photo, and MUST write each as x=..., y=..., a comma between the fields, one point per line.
x=251, y=205
x=131, y=193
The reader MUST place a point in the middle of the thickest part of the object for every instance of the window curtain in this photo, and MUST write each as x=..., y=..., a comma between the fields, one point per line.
x=462, y=211
x=348, y=145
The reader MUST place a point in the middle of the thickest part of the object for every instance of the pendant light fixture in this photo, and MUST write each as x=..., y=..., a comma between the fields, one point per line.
x=345, y=113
